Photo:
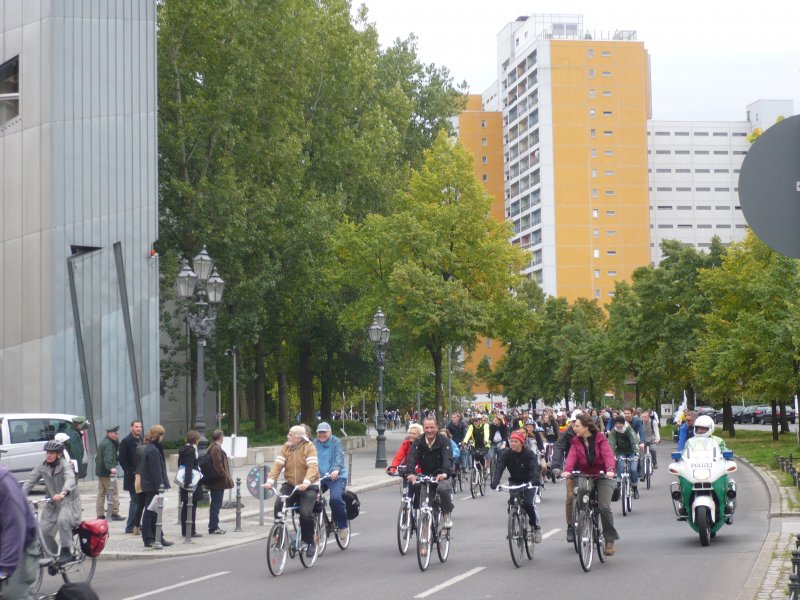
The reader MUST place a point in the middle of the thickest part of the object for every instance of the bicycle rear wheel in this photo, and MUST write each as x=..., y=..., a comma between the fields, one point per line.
x=403, y=528
x=649, y=470
x=322, y=524
x=626, y=489
x=599, y=538
x=442, y=539
x=81, y=568
x=516, y=537
x=482, y=483
x=424, y=534
x=473, y=482
x=575, y=511
x=277, y=549
x=344, y=544
x=586, y=532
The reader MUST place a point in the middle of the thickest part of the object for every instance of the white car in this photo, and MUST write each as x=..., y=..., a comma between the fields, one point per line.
x=22, y=438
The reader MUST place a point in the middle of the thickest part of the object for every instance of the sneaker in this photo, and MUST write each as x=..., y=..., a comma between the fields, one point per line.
x=197, y=535
x=610, y=547
x=101, y=517
x=636, y=493
x=615, y=494
x=537, y=535
x=118, y=518
x=137, y=531
x=65, y=555
x=448, y=521
x=165, y=543
x=570, y=534
x=311, y=550
x=344, y=535
x=655, y=467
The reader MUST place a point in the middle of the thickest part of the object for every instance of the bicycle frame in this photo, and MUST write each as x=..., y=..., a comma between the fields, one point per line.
x=587, y=502
x=518, y=531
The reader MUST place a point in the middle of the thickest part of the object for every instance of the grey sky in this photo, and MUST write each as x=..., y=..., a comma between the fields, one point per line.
x=709, y=58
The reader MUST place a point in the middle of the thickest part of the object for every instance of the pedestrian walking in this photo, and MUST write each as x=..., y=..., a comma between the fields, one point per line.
x=106, y=471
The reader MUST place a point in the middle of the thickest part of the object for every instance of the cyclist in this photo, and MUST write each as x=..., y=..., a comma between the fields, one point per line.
x=498, y=435
x=330, y=455
x=550, y=428
x=18, y=541
x=590, y=454
x=523, y=467
x=64, y=512
x=652, y=435
x=478, y=432
x=430, y=455
x=533, y=438
x=625, y=443
x=687, y=429
x=400, y=458
x=300, y=465
x=560, y=453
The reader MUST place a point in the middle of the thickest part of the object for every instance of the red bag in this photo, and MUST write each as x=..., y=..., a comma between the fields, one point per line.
x=93, y=536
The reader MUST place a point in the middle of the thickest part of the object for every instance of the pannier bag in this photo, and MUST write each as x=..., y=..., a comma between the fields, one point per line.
x=93, y=536
x=76, y=591
x=352, y=504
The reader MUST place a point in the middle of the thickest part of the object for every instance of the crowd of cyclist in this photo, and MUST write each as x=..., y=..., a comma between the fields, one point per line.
x=534, y=446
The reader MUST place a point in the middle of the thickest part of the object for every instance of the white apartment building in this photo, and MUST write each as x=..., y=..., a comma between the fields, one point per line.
x=694, y=173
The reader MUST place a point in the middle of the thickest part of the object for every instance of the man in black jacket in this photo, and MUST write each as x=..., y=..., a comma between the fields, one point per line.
x=430, y=455
x=523, y=467
x=127, y=460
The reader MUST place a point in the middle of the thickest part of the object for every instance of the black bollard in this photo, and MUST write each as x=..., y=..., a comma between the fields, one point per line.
x=238, y=504
x=796, y=561
x=159, y=518
x=793, y=587
x=187, y=534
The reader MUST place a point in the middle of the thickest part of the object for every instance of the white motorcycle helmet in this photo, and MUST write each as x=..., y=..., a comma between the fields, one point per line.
x=704, y=421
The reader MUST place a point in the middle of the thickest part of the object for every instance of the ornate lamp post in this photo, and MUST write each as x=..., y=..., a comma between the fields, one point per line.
x=379, y=336
x=198, y=284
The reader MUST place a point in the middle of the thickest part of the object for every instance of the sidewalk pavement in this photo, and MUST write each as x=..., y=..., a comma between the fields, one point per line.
x=363, y=476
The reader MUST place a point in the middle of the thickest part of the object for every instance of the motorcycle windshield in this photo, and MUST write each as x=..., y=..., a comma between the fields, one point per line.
x=702, y=448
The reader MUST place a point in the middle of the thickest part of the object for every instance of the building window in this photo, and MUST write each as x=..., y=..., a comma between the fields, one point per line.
x=610, y=192
x=606, y=73
x=607, y=113
x=701, y=133
x=591, y=93
x=597, y=273
x=595, y=213
x=609, y=173
x=611, y=213
x=681, y=152
x=702, y=170
x=484, y=160
x=683, y=170
x=605, y=53
x=592, y=113
x=594, y=152
x=663, y=189
x=608, y=153
x=664, y=207
x=606, y=92
x=662, y=132
x=596, y=253
x=591, y=72
x=703, y=189
x=722, y=189
x=611, y=232
x=720, y=152
x=594, y=193
x=483, y=141
x=483, y=123
x=684, y=226
x=665, y=226
x=720, y=134
x=704, y=226
x=597, y=293
x=485, y=177
x=596, y=233
x=663, y=170
x=664, y=152
x=611, y=252
x=9, y=90
x=488, y=342
x=682, y=133
x=739, y=134
x=722, y=171
x=683, y=189
x=608, y=133
x=612, y=273
x=703, y=152
x=594, y=172
x=593, y=132
x=590, y=53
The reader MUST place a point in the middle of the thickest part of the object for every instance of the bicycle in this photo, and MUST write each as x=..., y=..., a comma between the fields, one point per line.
x=283, y=543
x=588, y=529
x=326, y=525
x=646, y=465
x=626, y=493
x=549, y=447
x=79, y=569
x=477, y=477
x=430, y=524
x=457, y=476
x=496, y=449
x=405, y=517
x=519, y=533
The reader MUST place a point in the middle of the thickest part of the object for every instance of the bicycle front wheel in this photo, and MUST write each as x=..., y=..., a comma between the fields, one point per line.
x=473, y=482
x=322, y=524
x=403, y=528
x=277, y=549
x=516, y=537
x=442, y=540
x=344, y=544
x=424, y=534
x=81, y=568
x=599, y=538
x=482, y=483
x=585, y=531
x=626, y=489
x=648, y=472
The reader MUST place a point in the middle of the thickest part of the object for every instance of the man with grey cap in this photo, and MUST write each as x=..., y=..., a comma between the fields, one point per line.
x=106, y=471
x=298, y=461
x=330, y=455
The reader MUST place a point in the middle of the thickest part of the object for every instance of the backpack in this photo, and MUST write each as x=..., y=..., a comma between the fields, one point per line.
x=76, y=591
x=93, y=536
x=352, y=504
x=206, y=465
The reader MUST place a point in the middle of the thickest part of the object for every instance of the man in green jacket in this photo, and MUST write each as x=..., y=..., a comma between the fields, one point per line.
x=106, y=471
x=75, y=443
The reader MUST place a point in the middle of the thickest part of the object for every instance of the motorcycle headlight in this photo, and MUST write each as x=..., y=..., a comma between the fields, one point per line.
x=702, y=474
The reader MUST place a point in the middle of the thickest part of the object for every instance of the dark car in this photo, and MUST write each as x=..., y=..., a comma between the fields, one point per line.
x=748, y=414
x=766, y=417
x=759, y=412
x=736, y=413
x=709, y=412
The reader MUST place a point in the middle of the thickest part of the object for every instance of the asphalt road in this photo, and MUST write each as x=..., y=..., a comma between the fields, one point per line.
x=479, y=565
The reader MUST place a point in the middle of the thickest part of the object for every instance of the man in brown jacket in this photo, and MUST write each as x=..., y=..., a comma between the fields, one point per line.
x=217, y=486
x=298, y=461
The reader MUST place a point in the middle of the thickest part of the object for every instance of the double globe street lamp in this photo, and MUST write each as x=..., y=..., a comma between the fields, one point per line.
x=379, y=336
x=199, y=282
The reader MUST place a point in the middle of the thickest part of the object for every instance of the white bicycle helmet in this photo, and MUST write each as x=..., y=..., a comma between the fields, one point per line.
x=704, y=421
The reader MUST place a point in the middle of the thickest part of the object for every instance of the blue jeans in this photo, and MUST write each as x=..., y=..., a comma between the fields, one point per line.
x=213, y=513
x=634, y=469
x=338, y=508
x=132, y=512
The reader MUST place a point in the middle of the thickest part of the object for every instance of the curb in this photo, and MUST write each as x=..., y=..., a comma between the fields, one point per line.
x=759, y=571
x=180, y=549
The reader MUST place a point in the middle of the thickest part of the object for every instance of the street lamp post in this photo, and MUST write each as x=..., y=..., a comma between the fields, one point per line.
x=201, y=282
x=379, y=336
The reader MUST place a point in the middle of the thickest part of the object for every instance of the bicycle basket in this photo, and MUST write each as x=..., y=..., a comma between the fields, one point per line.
x=93, y=536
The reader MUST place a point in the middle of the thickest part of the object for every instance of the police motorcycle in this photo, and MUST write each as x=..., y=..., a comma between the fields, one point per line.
x=704, y=495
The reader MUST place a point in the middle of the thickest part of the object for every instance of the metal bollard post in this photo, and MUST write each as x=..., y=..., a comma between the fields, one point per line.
x=188, y=524
x=350, y=468
x=238, y=504
x=261, y=491
x=180, y=508
x=159, y=516
x=793, y=587
x=796, y=561
x=797, y=541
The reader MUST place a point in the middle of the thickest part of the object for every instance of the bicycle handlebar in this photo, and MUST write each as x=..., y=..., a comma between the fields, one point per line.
x=511, y=488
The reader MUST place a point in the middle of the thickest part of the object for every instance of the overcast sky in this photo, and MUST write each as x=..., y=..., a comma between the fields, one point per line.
x=709, y=58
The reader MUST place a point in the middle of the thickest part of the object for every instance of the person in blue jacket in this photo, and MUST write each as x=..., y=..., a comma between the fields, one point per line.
x=687, y=429
x=330, y=455
x=18, y=541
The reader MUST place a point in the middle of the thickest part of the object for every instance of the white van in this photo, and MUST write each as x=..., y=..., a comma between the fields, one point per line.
x=22, y=438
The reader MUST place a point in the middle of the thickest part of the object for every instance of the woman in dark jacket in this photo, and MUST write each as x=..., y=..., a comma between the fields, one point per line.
x=187, y=458
x=152, y=475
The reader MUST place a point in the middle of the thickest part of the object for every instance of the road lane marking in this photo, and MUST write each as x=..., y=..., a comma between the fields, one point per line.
x=177, y=585
x=550, y=533
x=449, y=582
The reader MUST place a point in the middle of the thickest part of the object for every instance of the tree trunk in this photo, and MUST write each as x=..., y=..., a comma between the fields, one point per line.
x=306, y=381
x=249, y=404
x=773, y=403
x=283, y=384
x=260, y=386
x=784, y=420
x=436, y=355
x=638, y=394
x=326, y=387
x=690, y=399
x=727, y=418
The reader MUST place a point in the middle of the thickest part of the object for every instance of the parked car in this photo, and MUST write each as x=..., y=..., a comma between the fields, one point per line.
x=758, y=414
x=736, y=411
x=766, y=417
x=22, y=438
x=709, y=412
x=749, y=413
